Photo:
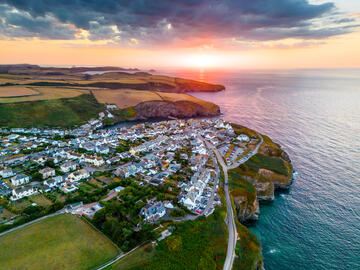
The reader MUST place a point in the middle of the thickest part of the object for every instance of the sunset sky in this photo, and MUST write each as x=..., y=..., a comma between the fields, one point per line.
x=242, y=34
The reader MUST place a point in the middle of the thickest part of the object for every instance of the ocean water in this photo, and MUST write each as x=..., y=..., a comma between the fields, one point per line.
x=315, y=116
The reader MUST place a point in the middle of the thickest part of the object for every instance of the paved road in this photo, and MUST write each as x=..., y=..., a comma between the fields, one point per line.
x=248, y=156
x=230, y=220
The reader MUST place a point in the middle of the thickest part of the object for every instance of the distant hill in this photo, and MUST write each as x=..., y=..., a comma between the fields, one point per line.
x=46, y=92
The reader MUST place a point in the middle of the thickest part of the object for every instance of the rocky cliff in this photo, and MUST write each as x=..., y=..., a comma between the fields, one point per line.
x=258, y=178
x=166, y=110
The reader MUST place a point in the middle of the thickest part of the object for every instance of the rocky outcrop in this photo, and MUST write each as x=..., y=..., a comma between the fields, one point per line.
x=264, y=189
x=246, y=210
x=285, y=156
x=179, y=109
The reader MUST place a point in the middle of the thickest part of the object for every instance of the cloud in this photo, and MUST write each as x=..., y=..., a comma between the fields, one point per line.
x=192, y=21
x=22, y=24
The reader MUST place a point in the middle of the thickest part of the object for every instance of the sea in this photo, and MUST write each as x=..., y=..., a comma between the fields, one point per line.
x=315, y=116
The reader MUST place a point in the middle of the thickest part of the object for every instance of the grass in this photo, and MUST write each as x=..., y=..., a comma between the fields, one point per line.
x=259, y=161
x=6, y=215
x=86, y=188
x=40, y=200
x=53, y=113
x=16, y=91
x=39, y=93
x=21, y=204
x=174, y=97
x=125, y=98
x=244, y=130
x=125, y=114
x=197, y=244
x=139, y=256
x=248, y=250
x=60, y=197
x=240, y=187
x=96, y=182
x=59, y=242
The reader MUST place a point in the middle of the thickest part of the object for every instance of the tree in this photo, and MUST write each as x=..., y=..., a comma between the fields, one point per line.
x=49, y=163
x=36, y=177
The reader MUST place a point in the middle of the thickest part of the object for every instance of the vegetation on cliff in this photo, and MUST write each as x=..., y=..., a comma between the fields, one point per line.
x=248, y=250
x=252, y=181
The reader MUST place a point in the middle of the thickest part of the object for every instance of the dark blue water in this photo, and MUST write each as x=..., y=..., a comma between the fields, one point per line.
x=315, y=116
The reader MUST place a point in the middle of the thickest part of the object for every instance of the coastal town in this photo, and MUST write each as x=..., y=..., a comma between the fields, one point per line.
x=58, y=163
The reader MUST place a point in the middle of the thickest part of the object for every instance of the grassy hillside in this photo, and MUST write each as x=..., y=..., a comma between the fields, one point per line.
x=248, y=250
x=38, y=93
x=259, y=161
x=59, y=242
x=53, y=113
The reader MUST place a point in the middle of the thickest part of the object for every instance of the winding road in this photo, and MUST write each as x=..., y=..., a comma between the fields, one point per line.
x=230, y=220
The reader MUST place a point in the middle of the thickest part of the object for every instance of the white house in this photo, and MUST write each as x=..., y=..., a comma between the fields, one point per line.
x=47, y=172
x=96, y=161
x=20, y=179
x=243, y=138
x=74, y=155
x=68, y=166
x=6, y=172
x=153, y=212
x=103, y=149
x=22, y=192
x=78, y=175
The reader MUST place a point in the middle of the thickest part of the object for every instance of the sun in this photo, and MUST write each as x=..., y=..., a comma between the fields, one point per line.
x=201, y=61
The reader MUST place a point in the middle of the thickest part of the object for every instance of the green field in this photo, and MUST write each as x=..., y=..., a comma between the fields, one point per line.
x=53, y=113
x=59, y=242
x=198, y=244
x=240, y=187
x=259, y=161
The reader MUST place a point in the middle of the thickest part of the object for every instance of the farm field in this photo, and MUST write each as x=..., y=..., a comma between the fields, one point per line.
x=53, y=113
x=16, y=91
x=125, y=98
x=58, y=242
x=41, y=93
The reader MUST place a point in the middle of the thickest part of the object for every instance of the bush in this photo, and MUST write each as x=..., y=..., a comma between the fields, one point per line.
x=177, y=213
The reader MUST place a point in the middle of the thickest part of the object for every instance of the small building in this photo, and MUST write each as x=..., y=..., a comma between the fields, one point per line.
x=153, y=212
x=78, y=175
x=20, y=179
x=96, y=161
x=4, y=189
x=47, y=172
x=6, y=172
x=22, y=192
x=68, y=166
x=243, y=138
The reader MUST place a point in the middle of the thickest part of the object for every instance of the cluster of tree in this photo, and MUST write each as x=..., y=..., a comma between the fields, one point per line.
x=31, y=213
x=120, y=219
x=177, y=212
